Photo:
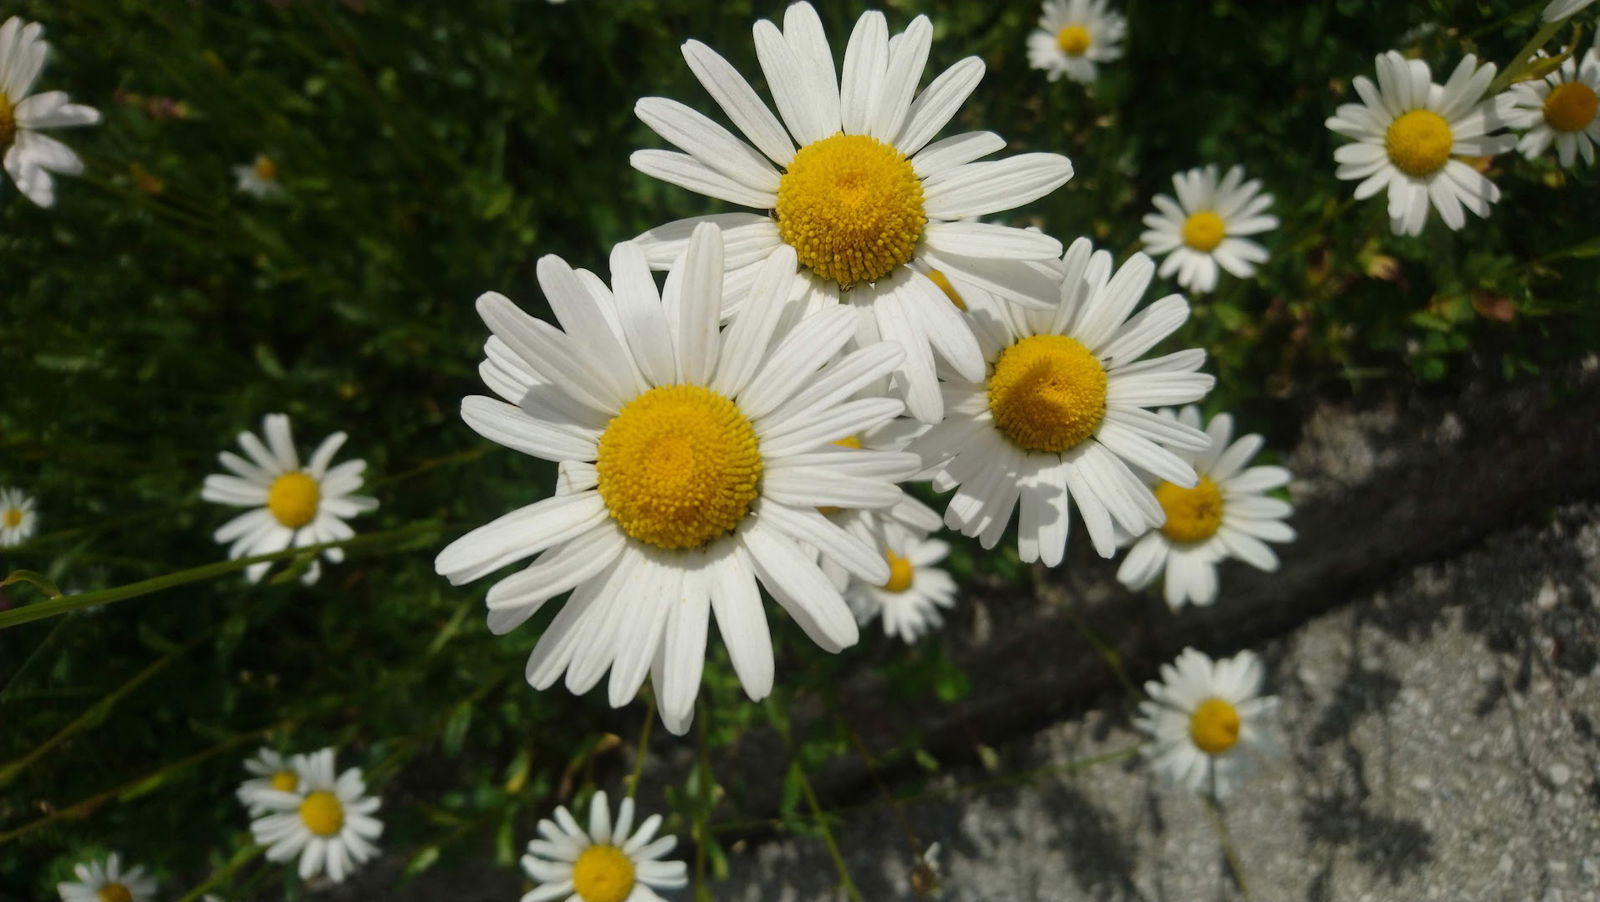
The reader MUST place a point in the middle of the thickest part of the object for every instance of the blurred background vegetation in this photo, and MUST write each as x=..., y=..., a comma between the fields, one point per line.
x=430, y=152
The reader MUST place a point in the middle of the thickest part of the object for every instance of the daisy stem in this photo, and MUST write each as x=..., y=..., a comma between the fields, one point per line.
x=1103, y=648
x=1524, y=58
x=644, y=745
x=781, y=724
x=1223, y=837
x=243, y=857
x=872, y=770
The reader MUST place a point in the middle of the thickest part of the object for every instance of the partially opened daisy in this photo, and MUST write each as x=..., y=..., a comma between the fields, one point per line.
x=258, y=178
x=1409, y=133
x=31, y=157
x=291, y=505
x=1059, y=415
x=19, y=519
x=1207, y=721
x=1205, y=227
x=328, y=821
x=1564, y=9
x=1563, y=109
x=107, y=882
x=852, y=181
x=1227, y=515
x=271, y=772
x=910, y=601
x=609, y=862
x=1074, y=36
x=693, y=461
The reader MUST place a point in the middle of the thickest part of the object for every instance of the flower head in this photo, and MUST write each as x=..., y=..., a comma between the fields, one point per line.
x=1204, y=227
x=1074, y=37
x=19, y=519
x=31, y=157
x=107, y=882
x=1561, y=109
x=911, y=599
x=271, y=772
x=326, y=820
x=258, y=178
x=609, y=862
x=1207, y=721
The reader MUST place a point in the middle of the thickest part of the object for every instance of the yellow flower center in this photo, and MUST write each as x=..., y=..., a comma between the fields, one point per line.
x=114, y=892
x=1047, y=393
x=1203, y=231
x=1214, y=726
x=679, y=466
x=1419, y=143
x=948, y=289
x=602, y=874
x=13, y=517
x=293, y=499
x=1074, y=40
x=1569, y=108
x=1192, y=514
x=8, y=121
x=322, y=813
x=266, y=170
x=851, y=207
x=285, y=781
x=901, y=573
x=850, y=441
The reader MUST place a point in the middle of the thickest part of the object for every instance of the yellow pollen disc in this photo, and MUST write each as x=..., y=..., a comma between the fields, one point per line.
x=679, y=466
x=948, y=289
x=293, y=499
x=266, y=170
x=1074, y=40
x=1192, y=514
x=1204, y=231
x=8, y=121
x=851, y=207
x=1214, y=726
x=114, y=892
x=285, y=781
x=1569, y=108
x=1419, y=143
x=850, y=441
x=14, y=517
x=602, y=874
x=1047, y=393
x=322, y=813
x=901, y=573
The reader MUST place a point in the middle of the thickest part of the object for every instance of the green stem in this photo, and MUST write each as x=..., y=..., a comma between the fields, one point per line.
x=644, y=744
x=1226, y=840
x=39, y=581
x=1524, y=58
x=241, y=858
x=817, y=814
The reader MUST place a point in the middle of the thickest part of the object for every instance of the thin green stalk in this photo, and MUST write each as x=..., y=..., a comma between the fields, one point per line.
x=644, y=745
x=1221, y=826
x=1524, y=58
x=241, y=858
x=702, y=779
x=872, y=770
x=817, y=814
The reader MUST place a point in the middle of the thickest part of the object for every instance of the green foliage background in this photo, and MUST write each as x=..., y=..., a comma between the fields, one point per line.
x=432, y=151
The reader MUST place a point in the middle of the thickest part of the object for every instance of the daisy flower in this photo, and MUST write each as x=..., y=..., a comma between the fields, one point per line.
x=272, y=773
x=1227, y=515
x=1074, y=36
x=18, y=518
x=1205, y=227
x=1207, y=721
x=1564, y=9
x=1059, y=415
x=1558, y=109
x=328, y=821
x=850, y=182
x=107, y=883
x=910, y=599
x=606, y=863
x=290, y=505
x=259, y=178
x=1409, y=133
x=872, y=525
x=694, y=460
x=30, y=157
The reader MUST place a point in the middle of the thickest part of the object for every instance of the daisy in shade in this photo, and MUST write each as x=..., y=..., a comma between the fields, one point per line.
x=606, y=863
x=107, y=882
x=1564, y=9
x=258, y=179
x=1205, y=227
x=18, y=518
x=30, y=157
x=910, y=600
x=872, y=525
x=290, y=505
x=1074, y=36
x=1059, y=415
x=1409, y=133
x=328, y=822
x=1227, y=515
x=271, y=772
x=694, y=461
x=853, y=183
x=1207, y=721
x=1563, y=109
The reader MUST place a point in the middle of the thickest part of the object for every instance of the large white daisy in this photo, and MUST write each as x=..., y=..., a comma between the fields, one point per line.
x=328, y=821
x=271, y=772
x=30, y=157
x=1059, y=415
x=1207, y=721
x=694, y=461
x=1227, y=515
x=1409, y=133
x=851, y=183
x=107, y=882
x=1074, y=37
x=1564, y=9
x=909, y=601
x=19, y=518
x=1563, y=109
x=1205, y=227
x=290, y=505
x=609, y=862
